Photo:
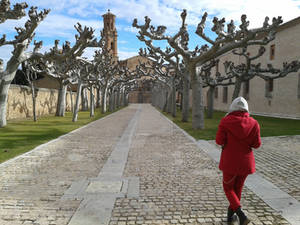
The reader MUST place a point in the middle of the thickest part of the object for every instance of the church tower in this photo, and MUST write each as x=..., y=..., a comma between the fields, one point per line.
x=110, y=32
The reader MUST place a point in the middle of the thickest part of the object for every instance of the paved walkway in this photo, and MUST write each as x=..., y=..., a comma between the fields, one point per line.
x=136, y=167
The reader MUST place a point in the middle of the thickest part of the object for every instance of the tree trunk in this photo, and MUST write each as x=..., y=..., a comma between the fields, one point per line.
x=173, y=97
x=61, y=101
x=126, y=99
x=186, y=100
x=104, y=100
x=165, y=103
x=98, y=98
x=76, y=108
x=113, y=101
x=71, y=99
x=237, y=88
x=92, y=104
x=210, y=102
x=118, y=99
x=33, y=101
x=169, y=101
x=197, y=105
x=110, y=100
x=4, y=87
x=84, y=100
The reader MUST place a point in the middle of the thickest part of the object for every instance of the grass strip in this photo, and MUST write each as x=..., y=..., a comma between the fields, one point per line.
x=270, y=126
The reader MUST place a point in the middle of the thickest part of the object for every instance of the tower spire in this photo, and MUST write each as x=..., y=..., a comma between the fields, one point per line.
x=110, y=32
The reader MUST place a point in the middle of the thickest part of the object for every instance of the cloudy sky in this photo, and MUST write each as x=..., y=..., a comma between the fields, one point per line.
x=59, y=24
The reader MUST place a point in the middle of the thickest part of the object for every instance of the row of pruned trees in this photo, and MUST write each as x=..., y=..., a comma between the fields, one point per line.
x=193, y=68
x=64, y=63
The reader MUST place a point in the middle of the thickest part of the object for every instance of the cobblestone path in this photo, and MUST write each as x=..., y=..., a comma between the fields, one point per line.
x=178, y=182
x=32, y=185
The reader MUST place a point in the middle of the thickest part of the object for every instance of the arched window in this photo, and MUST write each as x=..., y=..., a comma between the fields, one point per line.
x=112, y=45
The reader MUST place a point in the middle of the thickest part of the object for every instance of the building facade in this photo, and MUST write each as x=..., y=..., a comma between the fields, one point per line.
x=278, y=98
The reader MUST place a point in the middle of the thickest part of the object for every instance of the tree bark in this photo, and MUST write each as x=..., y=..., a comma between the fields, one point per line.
x=33, y=101
x=71, y=99
x=210, y=102
x=84, y=100
x=4, y=87
x=173, y=97
x=165, y=103
x=76, y=108
x=110, y=100
x=92, y=104
x=118, y=99
x=237, y=88
x=104, y=100
x=98, y=101
x=185, y=100
x=197, y=104
x=61, y=101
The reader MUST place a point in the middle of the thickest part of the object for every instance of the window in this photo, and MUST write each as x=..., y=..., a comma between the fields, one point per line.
x=299, y=86
x=272, y=52
x=246, y=89
x=216, y=92
x=269, y=88
x=225, y=94
x=271, y=84
x=112, y=45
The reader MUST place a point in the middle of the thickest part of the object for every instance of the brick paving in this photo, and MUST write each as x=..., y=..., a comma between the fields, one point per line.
x=179, y=183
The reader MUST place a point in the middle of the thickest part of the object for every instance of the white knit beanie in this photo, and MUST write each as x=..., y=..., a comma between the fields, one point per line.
x=238, y=104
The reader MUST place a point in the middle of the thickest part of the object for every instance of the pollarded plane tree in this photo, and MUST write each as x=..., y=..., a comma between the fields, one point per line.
x=212, y=81
x=107, y=67
x=249, y=69
x=31, y=76
x=223, y=43
x=124, y=76
x=171, y=56
x=20, y=44
x=84, y=76
x=59, y=61
x=162, y=73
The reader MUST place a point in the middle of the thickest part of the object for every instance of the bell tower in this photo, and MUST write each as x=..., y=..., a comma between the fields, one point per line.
x=110, y=32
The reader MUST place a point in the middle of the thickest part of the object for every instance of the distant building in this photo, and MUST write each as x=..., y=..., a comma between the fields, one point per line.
x=110, y=33
x=143, y=93
x=280, y=97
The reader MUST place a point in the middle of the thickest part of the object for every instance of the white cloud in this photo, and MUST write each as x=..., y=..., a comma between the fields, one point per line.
x=167, y=12
x=122, y=42
x=56, y=25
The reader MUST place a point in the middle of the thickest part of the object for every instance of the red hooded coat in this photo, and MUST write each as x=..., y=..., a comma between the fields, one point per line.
x=238, y=133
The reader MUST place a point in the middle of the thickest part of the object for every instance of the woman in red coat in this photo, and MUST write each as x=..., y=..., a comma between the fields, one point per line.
x=238, y=133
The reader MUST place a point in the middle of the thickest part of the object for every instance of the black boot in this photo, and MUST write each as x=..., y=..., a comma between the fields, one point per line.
x=242, y=217
x=230, y=216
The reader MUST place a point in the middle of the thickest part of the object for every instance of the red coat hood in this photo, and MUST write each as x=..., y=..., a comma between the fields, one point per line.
x=239, y=124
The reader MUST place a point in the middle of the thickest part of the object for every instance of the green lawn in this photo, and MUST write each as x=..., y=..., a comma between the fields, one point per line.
x=269, y=126
x=20, y=136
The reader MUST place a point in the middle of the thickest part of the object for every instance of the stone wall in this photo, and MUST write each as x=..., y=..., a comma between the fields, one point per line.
x=20, y=102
